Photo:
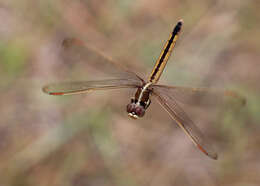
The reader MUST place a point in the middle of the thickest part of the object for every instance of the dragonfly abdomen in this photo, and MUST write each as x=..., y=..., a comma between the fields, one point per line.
x=165, y=54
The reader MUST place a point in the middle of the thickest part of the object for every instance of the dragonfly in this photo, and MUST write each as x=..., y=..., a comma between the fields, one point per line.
x=168, y=97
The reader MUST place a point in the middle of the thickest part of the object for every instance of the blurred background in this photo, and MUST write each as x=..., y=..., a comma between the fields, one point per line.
x=89, y=139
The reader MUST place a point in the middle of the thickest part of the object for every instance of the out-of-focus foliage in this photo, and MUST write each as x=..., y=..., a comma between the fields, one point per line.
x=88, y=139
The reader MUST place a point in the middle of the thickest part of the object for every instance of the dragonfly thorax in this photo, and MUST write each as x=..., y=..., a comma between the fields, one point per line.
x=139, y=103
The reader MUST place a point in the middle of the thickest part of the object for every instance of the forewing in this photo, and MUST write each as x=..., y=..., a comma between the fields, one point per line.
x=76, y=51
x=79, y=87
x=201, y=96
x=184, y=122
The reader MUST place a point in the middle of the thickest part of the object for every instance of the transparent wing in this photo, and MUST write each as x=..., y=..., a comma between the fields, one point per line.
x=76, y=51
x=184, y=122
x=80, y=87
x=201, y=96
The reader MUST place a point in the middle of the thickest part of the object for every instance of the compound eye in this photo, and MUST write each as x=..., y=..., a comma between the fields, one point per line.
x=140, y=111
x=130, y=107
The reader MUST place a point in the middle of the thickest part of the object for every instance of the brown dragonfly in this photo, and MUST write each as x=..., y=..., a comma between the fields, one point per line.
x=167, y=96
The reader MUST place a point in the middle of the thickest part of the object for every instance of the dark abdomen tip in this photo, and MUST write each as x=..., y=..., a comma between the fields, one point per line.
x=178, y=26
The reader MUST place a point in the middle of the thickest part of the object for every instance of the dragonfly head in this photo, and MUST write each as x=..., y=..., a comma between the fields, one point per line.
x=135, y=110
